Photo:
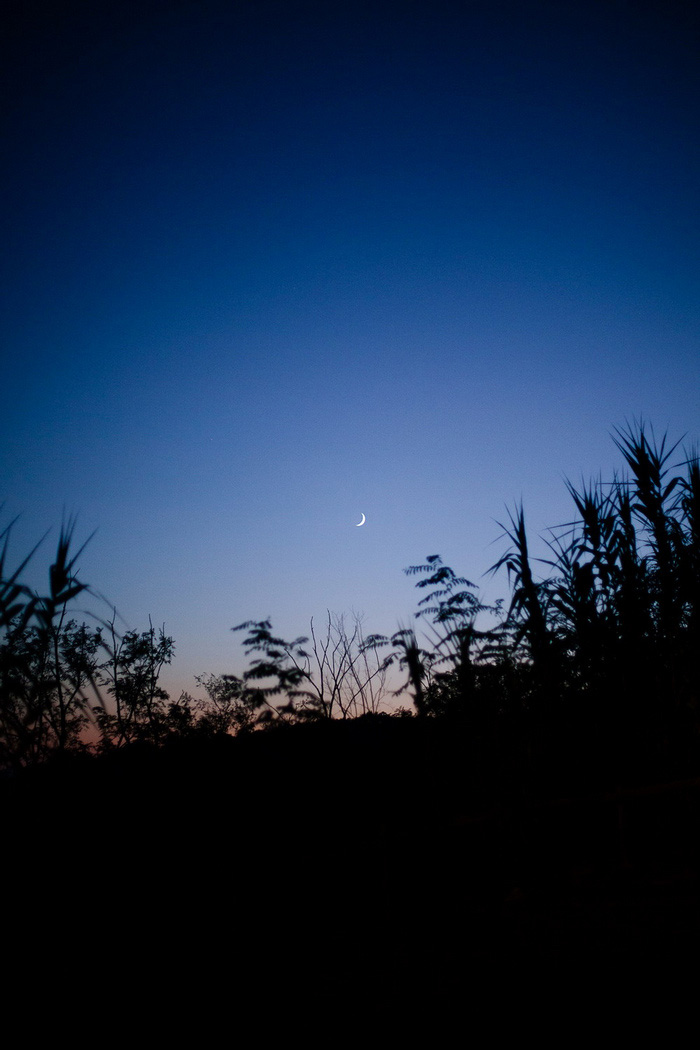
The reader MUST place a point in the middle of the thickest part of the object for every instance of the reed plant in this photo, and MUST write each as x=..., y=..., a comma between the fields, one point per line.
x=611, y=627
x=48, y=662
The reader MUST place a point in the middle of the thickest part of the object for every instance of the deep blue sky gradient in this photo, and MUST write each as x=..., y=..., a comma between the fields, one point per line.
x=270, y=266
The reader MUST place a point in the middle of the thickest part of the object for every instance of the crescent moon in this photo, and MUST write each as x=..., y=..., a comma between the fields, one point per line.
x=364, y=519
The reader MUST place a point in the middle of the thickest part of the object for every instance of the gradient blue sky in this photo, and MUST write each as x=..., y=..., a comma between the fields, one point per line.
x=269, y=266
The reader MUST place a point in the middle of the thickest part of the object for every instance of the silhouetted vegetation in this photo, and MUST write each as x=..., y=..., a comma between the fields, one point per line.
x=601, y=649
x=550, y=746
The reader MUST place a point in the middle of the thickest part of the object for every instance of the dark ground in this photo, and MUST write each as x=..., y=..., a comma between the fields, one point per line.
x=372, y=858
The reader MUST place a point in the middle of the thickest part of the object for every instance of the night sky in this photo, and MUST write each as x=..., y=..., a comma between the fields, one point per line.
x=271, y=266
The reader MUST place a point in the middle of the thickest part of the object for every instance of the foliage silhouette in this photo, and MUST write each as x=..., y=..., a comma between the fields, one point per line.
x=597, y=654
x=53, y=672
x=610, y=633
x=131, y=675
x=338, y=675
x=47, y=663
x=442, y=679
x=225, y=710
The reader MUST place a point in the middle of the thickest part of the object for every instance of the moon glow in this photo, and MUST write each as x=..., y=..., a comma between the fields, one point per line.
x=361, y=522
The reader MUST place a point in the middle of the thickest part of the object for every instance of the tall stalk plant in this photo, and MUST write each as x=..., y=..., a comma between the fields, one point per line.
x=612, y=632
x=47, y=662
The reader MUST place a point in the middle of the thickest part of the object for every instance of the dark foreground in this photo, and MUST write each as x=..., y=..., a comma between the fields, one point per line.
x=373, y=858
